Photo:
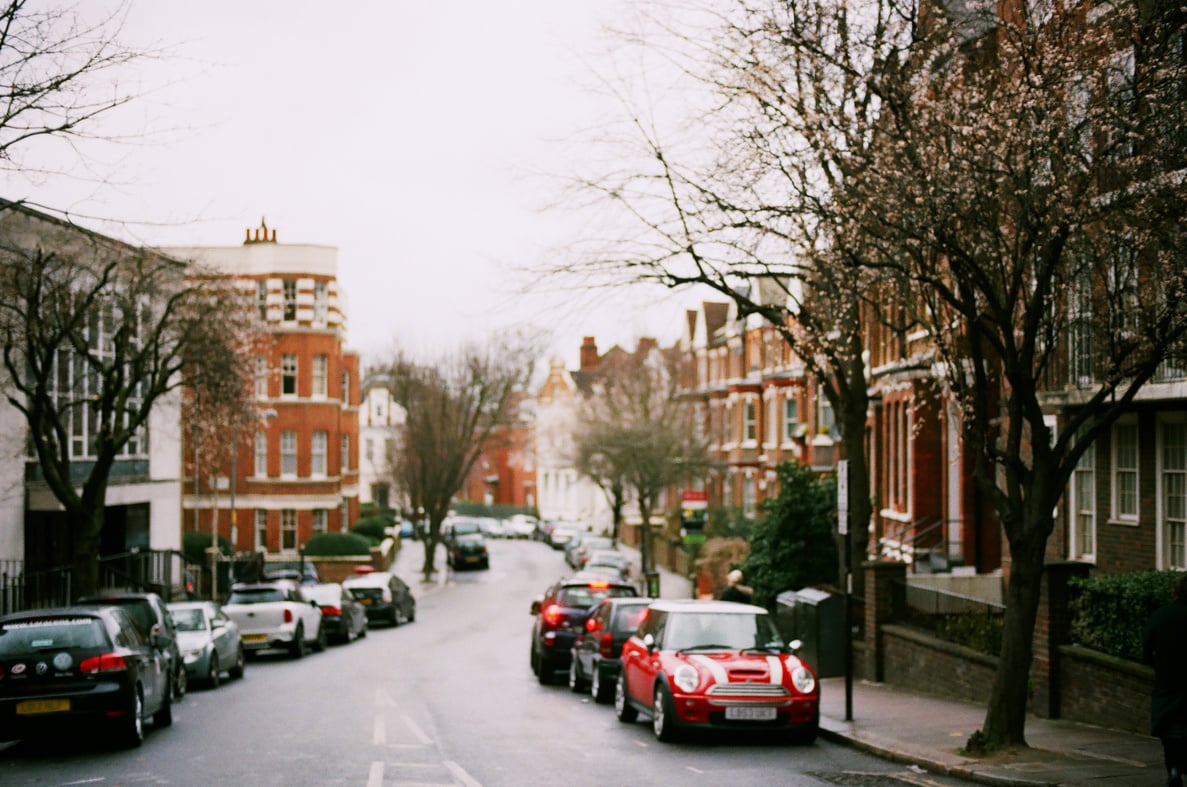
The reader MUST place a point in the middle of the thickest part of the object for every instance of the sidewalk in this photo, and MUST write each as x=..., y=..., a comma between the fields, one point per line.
x=917, y=729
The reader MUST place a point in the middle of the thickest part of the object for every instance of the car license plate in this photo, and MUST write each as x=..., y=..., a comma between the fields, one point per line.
x=32, y=707
x=366, y=602
x=472, y=559
x=750, y=714
x=254, y=637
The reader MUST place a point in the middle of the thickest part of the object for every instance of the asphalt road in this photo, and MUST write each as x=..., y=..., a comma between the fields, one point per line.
x=447, y=700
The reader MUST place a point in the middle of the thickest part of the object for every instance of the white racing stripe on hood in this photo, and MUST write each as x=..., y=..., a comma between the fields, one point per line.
x=776, y=667
x=715, y=669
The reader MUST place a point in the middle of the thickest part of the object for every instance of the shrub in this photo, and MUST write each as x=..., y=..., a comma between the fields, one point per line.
x=333, y=544
x=372, y=528
x=194, y=546
x=1109, y=611
x=974, y=630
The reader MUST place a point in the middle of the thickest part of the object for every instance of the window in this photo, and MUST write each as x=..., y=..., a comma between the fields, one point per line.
x=370, y=449
x=1083, y=507
x=321, y=302
x=1119, y=78
x=288, y=453
x=1124, y=306
x=750, y=420
x=1080, y=329
x=791, y=417
x=261, y=455
x=320, y=365
x=288, y=530
x=290, y=300
x=344, y=460
x=262, y=299
x=1125, y=471
x=1173, y=490
x=319, y=520
x=825, y=420
x=261, y=529
x=288, y=374
x=261, y=377
x=345, y=387
x=770, y=413
x=749, y=496
x=317, y=454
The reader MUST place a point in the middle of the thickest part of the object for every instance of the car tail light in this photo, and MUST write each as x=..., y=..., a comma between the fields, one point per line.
x=331, y=611
x=591, y=624
x=606, y=646
x=108, y=662
x=599, y=585
x=552, y=615
x=387, y=596
x=288, y=616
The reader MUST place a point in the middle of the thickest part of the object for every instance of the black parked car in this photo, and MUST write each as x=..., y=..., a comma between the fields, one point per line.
x=467, y=551
x=597, y=651
x=151, y=614
x=560, y=615
x=342, y=616
x=79, y=669
x=385, y=597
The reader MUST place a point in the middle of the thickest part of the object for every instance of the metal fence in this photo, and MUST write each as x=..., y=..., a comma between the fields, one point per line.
x=21, y=589
x=964, y=620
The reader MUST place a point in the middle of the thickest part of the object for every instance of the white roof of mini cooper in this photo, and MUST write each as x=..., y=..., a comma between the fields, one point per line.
x=705, y=605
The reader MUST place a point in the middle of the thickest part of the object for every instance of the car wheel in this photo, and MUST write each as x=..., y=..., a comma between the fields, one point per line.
x=363, y=630
x=215, y=674
x=663, y=715
x=600, y=692
x=395, y=619
x=319, y=644
x=164, y=715
x=131, y=729
x=544, y=676
x=576, y=682
x=804, y=737
x=412, y=612
x=623, y=709
x=297, y=647
x=535, y=660
x=181, y=683
x=236, y=671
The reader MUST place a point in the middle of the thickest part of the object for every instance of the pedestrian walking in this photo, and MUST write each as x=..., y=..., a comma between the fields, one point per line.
x=734, y=589
x=1165, y=644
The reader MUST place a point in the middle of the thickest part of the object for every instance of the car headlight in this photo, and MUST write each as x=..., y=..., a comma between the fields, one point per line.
x=192, y=655
x=803, y=679
x=686, y=678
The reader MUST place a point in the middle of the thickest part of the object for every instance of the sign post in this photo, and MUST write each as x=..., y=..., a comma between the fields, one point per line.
x=843, y=530
x=694, y=510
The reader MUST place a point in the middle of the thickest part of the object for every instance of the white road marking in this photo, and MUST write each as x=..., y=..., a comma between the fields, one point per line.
x=383, y=699
x=460, y=774
x=694, y=770
x=86, y=781
x=417, y=731
x=375, y=777
x=379, y=734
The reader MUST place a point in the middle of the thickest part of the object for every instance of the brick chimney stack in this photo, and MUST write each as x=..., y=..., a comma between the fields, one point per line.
x=589, y=354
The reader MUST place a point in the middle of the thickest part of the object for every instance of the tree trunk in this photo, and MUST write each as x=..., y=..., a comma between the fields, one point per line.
x=432, y=537
x=1005, y=716
x=85, y=527
x=646, y=552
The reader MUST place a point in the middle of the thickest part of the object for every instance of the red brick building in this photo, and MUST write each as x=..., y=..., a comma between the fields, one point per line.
x=297, y=473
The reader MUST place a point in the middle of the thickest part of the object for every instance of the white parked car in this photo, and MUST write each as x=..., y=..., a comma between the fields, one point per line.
x=276, y=614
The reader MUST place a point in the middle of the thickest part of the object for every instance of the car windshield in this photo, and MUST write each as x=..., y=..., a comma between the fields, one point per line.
x=583, y=596
x=626, y=618
x=256, y=595
x=465, y=528
x=729, y=630
x=189, y=619
x=51, y=634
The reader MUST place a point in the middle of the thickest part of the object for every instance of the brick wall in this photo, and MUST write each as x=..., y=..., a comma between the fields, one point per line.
x=1105, y=691
x=923, y=663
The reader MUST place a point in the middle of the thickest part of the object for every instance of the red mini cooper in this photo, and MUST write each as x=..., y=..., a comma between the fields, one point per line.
x=715, y=664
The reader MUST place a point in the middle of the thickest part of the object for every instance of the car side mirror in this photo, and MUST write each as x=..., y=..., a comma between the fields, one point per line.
x=218, y=624
x=649, y=642
x=314, y=604
x=795, y=645
x=536, y=606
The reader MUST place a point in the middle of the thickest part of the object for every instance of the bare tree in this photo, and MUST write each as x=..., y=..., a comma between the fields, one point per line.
x=93, y=334
x=639, y=434
x=59, y=73
x=1021, y=183
x=453, y=406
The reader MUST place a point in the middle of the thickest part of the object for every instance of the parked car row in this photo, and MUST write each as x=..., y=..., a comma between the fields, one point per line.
x=110, y=663
x=684, y=664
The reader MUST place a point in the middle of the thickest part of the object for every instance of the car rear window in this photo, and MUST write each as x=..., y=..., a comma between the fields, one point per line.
x=190, y=619
x=52, y=634
x=256, y=596
x=586, y=596
x=626, y=618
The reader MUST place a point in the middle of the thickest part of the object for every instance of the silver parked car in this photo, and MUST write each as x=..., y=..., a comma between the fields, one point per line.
x=209, y=641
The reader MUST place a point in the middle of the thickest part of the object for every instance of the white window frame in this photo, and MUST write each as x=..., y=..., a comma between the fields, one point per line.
x=288, y=454
x=288, y=530
x=749, y=420
x=791, y=417
x=289, y=287
x=262, y=300
x=320, y=518
x=321, y=366
x=260, y=458
x=1172, y=480
x=290, y=372
x=1127, y=475
x=261, y=528
x=344, y=459
x=261, y=377
x=318, y=442
x=1082, y=518
x=321, y=302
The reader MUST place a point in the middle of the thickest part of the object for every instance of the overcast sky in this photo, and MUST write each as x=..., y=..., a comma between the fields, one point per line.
x=410, y=135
